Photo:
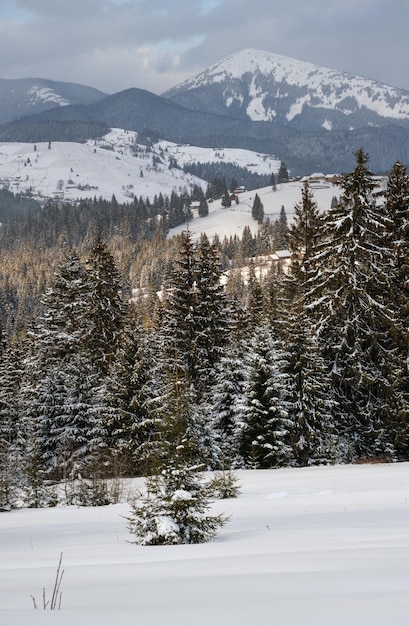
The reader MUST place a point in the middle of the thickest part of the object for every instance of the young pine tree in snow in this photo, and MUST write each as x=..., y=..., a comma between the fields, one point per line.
x=175, y=509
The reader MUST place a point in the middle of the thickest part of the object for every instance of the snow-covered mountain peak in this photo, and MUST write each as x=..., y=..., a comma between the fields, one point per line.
x=264, y=86
x=39, y=93
x=256, y=62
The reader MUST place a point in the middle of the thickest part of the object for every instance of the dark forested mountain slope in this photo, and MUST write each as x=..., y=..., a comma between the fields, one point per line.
x=28, y=96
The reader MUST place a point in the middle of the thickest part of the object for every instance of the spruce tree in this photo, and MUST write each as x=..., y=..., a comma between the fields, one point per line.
x=257, y=209
x=12, y=440
x=175, y=510
x=265, y=433
x=308, y=392
x=227, y=404
x=304, y=234
x=127, y=412
x=280, y=236
x=59, y=388
x=178, y=324
x=105, y=307
x=211, y=312
x=307, y=395
x=349, y=294
x=397, y=239
x=282, y=176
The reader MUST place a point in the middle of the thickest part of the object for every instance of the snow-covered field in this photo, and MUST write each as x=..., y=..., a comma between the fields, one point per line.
x=70, y=171
x=73, y=171
x=321, y=546
x=231, y=221
x=108, y=166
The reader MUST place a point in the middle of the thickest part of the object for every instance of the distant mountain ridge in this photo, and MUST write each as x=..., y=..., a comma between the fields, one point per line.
x=262, y=86
x=28, y=96
x=312, y=118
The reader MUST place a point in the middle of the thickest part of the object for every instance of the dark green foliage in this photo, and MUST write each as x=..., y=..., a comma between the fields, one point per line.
x=280, y=231
x=30, y=131
x=105, y=311
x=282, y=176
x=257, y=209
x=12, y=207
x=211, y=172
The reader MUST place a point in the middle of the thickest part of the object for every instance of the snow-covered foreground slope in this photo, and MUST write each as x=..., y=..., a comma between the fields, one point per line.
x=326, y=546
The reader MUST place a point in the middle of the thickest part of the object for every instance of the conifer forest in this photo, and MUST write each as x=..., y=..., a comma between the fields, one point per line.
x=123, y=352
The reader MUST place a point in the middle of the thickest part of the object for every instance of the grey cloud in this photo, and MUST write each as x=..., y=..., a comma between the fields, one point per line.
x=153, y=44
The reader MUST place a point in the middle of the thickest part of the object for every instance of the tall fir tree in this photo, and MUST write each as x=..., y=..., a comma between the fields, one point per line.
x=128, y=405
x=304, y=234
x=178, y=323
x=59, y=388
x=266, y=428
x=308, y=392
x=212, y=314
x=257, y=209
x=12, y=439
x=280, y=236
x=397, y=238
x=105, y=307
x=349, y=294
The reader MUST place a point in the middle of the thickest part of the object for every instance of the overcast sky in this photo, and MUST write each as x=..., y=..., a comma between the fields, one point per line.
x=155, y=44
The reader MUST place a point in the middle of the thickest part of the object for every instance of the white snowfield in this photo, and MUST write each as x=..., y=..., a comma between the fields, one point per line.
x=71, y=171
x=321, y=546
x=227, y=222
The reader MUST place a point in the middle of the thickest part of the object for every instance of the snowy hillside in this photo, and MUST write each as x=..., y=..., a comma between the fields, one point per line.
x=69, y=171
x=231, y=221
x=270, y=87
x=253, y=161
x=318, y=546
